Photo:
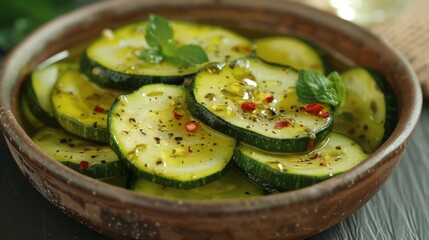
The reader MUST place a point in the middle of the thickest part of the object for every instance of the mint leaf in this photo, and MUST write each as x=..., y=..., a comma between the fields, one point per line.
x=189, y=55
x=339, y=86
x=169, y=48
x=158, y=32
x=152, y=55
x=313, y=87
x=159, y=37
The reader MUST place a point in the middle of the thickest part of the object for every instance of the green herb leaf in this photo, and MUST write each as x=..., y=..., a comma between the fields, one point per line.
x=189, y=55
x=339, y=87
x=313, y=87
x=152, y=55
x=158, y=32
x=159, y=37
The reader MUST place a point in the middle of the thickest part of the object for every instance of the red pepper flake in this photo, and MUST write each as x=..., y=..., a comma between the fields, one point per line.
x=282, y=124
x=248, y=106
x=191, y=126
x=324, y=114
x=98, y=109
x=310, y=145
x=316, y=155
x=313, y=108
x=177, y=115
x=83, y=165
x=351, y=131
x=269, y=99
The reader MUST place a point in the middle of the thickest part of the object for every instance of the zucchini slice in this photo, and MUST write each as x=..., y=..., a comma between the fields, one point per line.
x=89, y=158
x=257, y=104
x=233, y=185
x=39, y=87
x=81, y=106
x=369, y=113
x=297, y=170
x=291, y=51
x=28, y=115
x=153, y=131
x=113, y=60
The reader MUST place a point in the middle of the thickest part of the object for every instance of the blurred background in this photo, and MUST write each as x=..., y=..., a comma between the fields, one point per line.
x=20, y=17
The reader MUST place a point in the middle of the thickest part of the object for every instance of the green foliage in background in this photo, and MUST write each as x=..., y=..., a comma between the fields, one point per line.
x=20, y=17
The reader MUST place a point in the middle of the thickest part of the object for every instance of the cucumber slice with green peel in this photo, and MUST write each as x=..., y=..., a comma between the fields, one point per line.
x=369, y=113
x=297, y=170
x=153, y=131
x=257, y=104
x=89, y=158
x=39, y=87
x=28, y=115
x=233, y=185
x=113, y=60
x=290, y=51
x=81, y=106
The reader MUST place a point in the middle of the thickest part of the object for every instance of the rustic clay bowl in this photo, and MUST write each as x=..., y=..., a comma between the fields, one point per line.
x=120, y=213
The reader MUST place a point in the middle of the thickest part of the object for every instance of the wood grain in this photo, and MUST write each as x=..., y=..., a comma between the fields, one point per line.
x=408, y=32
x=400, y=209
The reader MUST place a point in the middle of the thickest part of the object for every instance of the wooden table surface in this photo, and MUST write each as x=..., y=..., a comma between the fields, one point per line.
x=400, y=210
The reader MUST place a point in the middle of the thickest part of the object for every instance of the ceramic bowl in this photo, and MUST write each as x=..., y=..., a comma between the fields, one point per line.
x=122, y=214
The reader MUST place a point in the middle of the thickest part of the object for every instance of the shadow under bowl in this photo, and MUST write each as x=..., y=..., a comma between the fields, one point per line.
x=120, y=213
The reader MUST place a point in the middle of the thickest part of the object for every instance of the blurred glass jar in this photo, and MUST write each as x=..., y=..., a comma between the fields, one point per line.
x=365, y=12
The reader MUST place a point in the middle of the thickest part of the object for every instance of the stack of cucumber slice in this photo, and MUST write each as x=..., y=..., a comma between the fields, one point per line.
x=230, y=128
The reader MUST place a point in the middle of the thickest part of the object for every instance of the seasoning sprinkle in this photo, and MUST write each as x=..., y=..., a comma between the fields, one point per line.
x=191, y=126
x=281, y=124
x=177, y=115
x=98, y=109
x=248, y=106
x=83, y=165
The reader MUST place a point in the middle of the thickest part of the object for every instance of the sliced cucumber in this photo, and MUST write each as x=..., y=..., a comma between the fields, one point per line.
x=153, y=131
x=81, y=106
x=369, y=113
x=232, y=185
x=122, y=180
x=28, y=115
x=256, y=103
x=291, y=51
x=294, y=170
x=114, y=60
x=89, y=158
x=39, y=87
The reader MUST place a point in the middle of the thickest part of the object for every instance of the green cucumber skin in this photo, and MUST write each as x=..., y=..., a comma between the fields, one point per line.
x=159, y=179
x=243, y=188
x=320, y=52
x=85, y=131
x=249, y=137
x=117, y=80
x=71, y=150
x=174, y=183
x=270, y=179
x=266, y=186
x=100, y=171
x=391, y=103
x=35, y=107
